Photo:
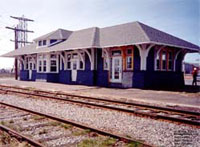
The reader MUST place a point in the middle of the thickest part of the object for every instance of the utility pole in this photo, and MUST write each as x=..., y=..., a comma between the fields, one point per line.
x=21, y=36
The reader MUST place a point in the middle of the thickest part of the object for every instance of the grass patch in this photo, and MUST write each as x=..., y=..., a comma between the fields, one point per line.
x=3, y=123
x=98, y=142
x=81, y=132
x=108, y=142
x=54, y=123
x=134, y=144
x=88, y=143
x=37, y=117
x=66, y=126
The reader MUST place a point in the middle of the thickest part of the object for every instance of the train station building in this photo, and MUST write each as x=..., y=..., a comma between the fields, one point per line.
x=124, y=56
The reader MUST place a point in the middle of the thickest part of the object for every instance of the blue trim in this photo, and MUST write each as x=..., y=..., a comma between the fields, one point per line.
x=158, y=79
x=85, y=77
x=101, y=76
x=65, y=76
x=23, y=75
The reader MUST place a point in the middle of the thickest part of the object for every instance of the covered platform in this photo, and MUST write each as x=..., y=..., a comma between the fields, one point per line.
x=184, y=100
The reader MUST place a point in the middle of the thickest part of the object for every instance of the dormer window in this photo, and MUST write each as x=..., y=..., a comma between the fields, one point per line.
x=42, y=43
x=53, y=41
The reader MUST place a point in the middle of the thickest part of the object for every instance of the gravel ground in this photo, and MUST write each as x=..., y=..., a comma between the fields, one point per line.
x=154, y=132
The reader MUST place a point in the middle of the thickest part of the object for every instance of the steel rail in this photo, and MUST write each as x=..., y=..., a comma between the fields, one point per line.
x=112, y=101
x=151, y=115
x=83, y=126
x=20, y=136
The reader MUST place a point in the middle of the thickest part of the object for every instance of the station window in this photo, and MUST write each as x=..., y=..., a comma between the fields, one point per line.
x=68, y=61
x=116, y=53
x=164, y=60
x=53, y=63
x=129, y=62
x=52, y=41
x=170, y=61
x=42, y=63
x=129, y=59
x=164, y=66
x=53, y=67
x=105, y=63
x=40, y=66
x=158, y=62
x=44, y=66
x=129, y=52
x=40, y=43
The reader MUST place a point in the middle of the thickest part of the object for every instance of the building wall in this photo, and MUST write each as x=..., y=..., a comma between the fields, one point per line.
x=34, y=73
x=179, y=63
x=23, y=75
x=65, y=76
x=101, y=75
x=49, y=77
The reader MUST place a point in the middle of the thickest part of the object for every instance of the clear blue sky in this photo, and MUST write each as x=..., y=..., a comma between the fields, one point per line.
x=177, y=17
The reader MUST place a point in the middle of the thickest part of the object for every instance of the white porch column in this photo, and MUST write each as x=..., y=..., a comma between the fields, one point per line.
x=62, y=57
x=176, y=56
x=21, y=62
x=91, y=57
x=182, y=66
x=144, y=51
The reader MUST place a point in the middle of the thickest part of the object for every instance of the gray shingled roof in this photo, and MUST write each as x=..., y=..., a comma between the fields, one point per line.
x=57, y=34
x=158, y=36
x=129, y=33
x=119, y=35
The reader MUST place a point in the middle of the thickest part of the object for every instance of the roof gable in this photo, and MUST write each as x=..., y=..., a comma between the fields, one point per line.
x=78, y=39
x=57, y=34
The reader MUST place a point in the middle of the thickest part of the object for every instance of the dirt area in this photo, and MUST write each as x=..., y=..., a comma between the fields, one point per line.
x=166, y=98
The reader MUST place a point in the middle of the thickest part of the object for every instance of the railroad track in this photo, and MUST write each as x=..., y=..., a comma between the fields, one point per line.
x=41, y=130
x=155, y=112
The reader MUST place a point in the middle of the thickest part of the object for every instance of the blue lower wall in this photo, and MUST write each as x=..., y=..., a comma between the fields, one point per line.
x=85, y=77
x=101, y=75
x=65, y=76
x=49, y=77
x=158, y=79
x=23, y=75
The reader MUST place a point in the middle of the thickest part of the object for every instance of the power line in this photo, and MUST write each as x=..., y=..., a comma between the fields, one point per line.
x=21, y=36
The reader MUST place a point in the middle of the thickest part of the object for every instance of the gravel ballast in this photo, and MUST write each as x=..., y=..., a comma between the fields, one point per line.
x=151, y=131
